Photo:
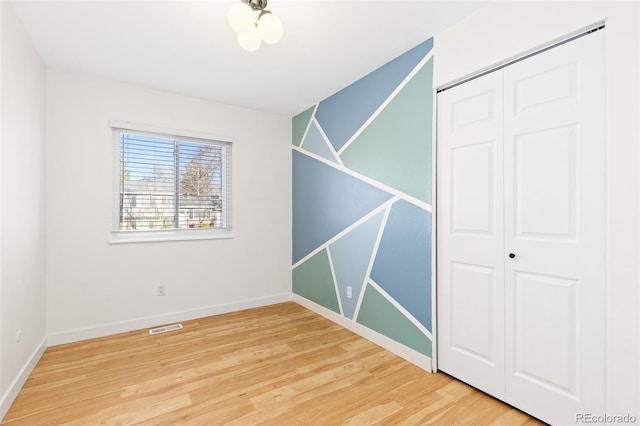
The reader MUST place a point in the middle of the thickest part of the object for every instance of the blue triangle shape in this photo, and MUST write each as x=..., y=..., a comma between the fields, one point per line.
x=325, y=202
x=403, y=261
x=343, y=113
x=314, y=142
x=350, y=256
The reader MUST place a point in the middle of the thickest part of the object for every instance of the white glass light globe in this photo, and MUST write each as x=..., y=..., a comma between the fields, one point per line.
x=270, y=28
x=250, y=40
x=241, y=17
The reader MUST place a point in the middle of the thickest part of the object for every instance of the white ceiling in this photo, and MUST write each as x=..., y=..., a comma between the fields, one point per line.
x=187, y=46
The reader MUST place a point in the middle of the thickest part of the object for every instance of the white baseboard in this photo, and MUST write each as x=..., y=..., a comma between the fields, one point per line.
x=148, y=322
x=391, y=345
x=18, y=382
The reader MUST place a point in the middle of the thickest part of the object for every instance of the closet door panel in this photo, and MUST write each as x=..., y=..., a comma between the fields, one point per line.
x=470, y=237
x=555, y=196
x=544, y=180
x=535, y=333
x=472, y=182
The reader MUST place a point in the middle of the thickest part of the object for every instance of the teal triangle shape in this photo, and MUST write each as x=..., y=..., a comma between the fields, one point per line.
x=299, y=125
x=350, y=256
x=395, y=148
x=378, y=314
x=313, y=280
x=314, y=142
x=326, y=201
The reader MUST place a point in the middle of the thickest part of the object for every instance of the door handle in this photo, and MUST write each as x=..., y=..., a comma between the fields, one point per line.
x=512, y=255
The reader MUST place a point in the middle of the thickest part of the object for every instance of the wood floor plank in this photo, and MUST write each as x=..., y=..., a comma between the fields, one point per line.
x=279, y=364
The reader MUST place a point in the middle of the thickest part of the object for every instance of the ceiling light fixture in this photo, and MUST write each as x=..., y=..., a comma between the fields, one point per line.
x=252, y=30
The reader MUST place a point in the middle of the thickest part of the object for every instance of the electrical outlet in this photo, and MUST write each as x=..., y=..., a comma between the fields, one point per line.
x=161, y=290
x=18, y=335
x=349, y=292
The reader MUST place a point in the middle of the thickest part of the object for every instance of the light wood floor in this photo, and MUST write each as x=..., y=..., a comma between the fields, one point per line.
x=281, y=365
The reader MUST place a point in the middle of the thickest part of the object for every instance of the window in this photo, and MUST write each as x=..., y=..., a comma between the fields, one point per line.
x=168, y=183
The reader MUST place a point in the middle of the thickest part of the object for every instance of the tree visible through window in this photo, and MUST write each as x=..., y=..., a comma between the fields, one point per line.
x=169, y=182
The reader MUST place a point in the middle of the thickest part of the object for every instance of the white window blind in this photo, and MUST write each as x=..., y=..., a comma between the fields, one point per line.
x=168, y=182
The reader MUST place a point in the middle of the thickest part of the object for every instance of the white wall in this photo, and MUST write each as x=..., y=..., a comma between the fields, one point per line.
x=96, y=288
x=504, y=30
x=22, y=202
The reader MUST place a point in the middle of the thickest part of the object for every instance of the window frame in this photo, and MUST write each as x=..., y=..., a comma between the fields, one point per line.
x=118, y=236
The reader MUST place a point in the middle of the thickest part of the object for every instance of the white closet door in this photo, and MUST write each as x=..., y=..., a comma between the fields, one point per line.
x=521, y=232
x=470, y=236
x=555, y=206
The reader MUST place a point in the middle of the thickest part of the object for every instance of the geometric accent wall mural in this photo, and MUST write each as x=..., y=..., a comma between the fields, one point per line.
x=362, y=201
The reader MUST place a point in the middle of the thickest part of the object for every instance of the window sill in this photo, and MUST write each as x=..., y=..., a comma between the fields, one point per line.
x=129, y=237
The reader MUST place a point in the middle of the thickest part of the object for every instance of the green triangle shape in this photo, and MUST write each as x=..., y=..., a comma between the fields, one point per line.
x=313, y=280
x=378, y=314
x=395, y=148
x=299, y=125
